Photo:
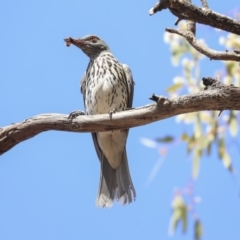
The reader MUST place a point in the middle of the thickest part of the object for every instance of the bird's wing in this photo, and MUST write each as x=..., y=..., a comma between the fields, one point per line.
x=130, y=84
x=83, y=87
x=94, y=135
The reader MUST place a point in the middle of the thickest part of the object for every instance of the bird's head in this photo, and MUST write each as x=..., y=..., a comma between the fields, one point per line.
x=91, y=45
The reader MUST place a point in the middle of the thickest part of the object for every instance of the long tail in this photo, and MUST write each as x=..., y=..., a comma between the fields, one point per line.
x=115, y=183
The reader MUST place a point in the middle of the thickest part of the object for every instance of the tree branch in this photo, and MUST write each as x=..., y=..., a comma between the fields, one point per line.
x=212, y=54
x=216, y=96
x=186, y=10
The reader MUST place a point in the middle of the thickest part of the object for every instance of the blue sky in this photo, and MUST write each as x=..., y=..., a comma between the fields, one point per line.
x=48, y=184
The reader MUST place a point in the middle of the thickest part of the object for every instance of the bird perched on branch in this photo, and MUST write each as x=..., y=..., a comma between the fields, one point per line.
x=107, y=87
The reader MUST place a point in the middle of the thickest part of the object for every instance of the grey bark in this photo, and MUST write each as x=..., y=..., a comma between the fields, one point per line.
x=216, y=96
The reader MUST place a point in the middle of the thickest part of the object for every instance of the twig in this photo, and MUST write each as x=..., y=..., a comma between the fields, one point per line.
x=204, y=4
x=159, y=6
x=212, y=54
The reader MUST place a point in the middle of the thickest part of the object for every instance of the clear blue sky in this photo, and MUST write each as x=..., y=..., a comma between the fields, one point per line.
x=48, y=184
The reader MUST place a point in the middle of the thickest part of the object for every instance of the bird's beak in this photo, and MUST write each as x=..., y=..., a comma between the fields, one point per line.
x=78, y=42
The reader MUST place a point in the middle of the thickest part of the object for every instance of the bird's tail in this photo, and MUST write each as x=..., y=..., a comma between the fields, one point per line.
x=115, y=183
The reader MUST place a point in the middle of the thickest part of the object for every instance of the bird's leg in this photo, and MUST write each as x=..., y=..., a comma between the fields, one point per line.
x=75, y=114
x=112, y=112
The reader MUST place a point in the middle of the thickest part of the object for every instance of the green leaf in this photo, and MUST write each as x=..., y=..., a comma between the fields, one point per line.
x=166, y=139
x=177, y=53
x=221, y=147
x=215, y=126
x=174, y=87
x=191, y=144
x=227, y=161
x=230, y=67
x=196, y=164
x=224, y=156
x=198, y=126
x=233, y=126
x=209, y=147
x=175, y=219
x=200, y=147
x=179, y=214
x=198, y=230
x=184, y=219
x=185, y=137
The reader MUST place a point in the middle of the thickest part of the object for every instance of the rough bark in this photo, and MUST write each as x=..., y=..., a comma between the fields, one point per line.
x=184, y=9
x=215, y=96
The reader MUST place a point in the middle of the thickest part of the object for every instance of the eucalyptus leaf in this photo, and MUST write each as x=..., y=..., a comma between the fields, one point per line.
x=226, y=159
x=198, y=230
x=233, y=126
x=179, y=214
x=174, y=87
x=166, y=139
x=196, y=164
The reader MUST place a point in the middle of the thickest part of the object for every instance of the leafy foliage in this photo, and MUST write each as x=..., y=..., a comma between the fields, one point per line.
x=179, y=214
x=208, y=128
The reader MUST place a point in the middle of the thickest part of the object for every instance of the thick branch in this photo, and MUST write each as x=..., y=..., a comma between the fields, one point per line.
x=216, y=96
x=199, y=46
x=186, y=10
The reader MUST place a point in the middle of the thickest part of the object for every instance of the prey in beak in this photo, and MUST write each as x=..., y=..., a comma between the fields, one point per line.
x=75, y=41
x=91, y=45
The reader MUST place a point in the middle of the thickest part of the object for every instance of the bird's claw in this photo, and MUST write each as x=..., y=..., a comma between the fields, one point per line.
x=112, y=112
x=75, y=114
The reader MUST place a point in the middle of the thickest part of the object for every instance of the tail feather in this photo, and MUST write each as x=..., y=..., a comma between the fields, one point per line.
x=115, y=183
x=125, y=189
x=107, y=184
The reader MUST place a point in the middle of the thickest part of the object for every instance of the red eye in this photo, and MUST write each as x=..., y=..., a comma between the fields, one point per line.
x=93, y=39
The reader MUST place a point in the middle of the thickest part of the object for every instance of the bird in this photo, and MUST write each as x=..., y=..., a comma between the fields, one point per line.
x=107, y=86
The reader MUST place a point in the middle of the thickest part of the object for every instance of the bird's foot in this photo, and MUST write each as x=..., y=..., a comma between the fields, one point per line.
x=112, y=112
x=75, y=114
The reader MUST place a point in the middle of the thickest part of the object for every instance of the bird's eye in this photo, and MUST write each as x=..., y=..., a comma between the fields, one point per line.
x=93, y=39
